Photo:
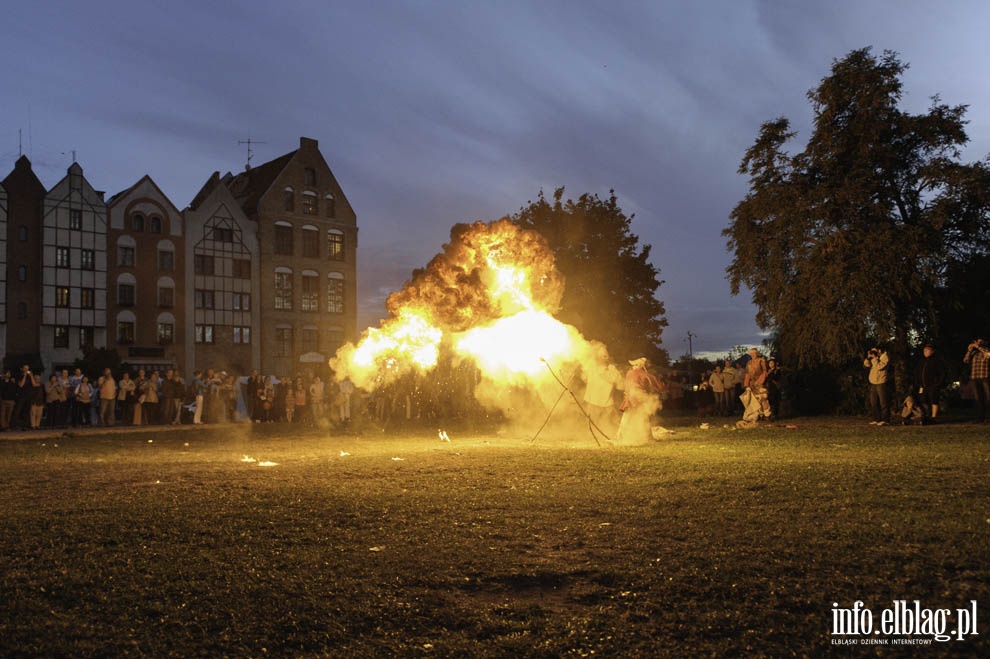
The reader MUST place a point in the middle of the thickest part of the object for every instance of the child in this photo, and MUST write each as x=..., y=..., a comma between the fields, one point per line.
x=913, y=413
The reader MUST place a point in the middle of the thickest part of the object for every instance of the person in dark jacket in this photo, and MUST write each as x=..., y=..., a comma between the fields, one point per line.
x=8, y=399
x=929, y=378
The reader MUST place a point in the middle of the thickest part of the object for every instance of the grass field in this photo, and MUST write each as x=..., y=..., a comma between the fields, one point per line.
x=713, y=542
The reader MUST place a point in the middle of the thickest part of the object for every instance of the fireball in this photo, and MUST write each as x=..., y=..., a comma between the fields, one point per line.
x=488, y=297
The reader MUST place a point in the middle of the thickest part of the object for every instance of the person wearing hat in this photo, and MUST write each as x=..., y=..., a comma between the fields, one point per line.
x=978, y=358
x=642, y=400
x=929, y=378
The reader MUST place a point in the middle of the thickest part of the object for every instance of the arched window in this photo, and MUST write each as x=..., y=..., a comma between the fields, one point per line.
x=283, y=238
x=289, y=199
x=335, y=245
x=126, y=327
x=126, y=290
x=310, y=290
x=335, y=292
x=166, y=292
x=166, y=256
x=126, y=251
x=165, y=328
x=283, y=289
x=331, y=205
x=22, y=233
x=155, y=224
x=137, y=222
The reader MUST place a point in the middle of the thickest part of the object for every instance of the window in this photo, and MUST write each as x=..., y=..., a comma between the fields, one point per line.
x=242, y=335
x=223, y=234
x=310, y=339
x=283, y=341
x=61, y=336
x=125, y=295
x=204, y=299
x=335, y=245
x=310, y=292
x=331, y=205
x=309, y=176
x=311, y=242
x=242, y=268
x=75, y=218
x=61, y=296
x=22, y=233
x=166, y=296
x=87, y=298
x=22, y=310
x=166, y=333
x=283, y=291
x=62, y=257
x=155, y=224
x=137, y=222
x=204, y=334
x=125, y=256
x=283, y=239
x=242, y=302
x=289, y=200
x=87, y=259
x=85, y=337
x=203, y=264
x=309, y=203
x=22, y=273
x=335, y=293
x=166, y=260
x=125, y=331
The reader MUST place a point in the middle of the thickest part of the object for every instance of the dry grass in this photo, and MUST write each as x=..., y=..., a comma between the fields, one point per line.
x=712, y=543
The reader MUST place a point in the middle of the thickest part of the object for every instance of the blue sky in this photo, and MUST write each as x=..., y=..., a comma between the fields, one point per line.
x=433, y=113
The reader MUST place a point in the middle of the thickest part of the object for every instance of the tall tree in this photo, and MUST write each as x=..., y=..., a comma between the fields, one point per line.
x=850, y=240
x=610, y=292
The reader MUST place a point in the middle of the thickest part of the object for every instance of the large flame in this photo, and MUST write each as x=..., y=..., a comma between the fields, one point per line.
x=489, y=297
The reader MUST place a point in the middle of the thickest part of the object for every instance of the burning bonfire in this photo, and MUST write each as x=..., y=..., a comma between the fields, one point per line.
x=486, y=301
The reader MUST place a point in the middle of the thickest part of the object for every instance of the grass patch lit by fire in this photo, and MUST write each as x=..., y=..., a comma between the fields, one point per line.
x=713, y=542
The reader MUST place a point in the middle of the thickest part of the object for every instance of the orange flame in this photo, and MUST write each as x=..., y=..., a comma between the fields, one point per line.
x=489, y=296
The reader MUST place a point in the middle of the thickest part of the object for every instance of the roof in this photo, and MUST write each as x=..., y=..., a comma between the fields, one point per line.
x=250, y=185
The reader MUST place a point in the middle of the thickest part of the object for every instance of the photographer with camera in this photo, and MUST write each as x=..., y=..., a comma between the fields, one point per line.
x=877, y=361
x=978, y=358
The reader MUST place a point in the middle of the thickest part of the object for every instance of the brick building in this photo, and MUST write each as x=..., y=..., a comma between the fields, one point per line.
x=258, y=272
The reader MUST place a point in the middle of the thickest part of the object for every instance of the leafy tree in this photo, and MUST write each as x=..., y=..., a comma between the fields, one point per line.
x=852, y=239
x=610, y=282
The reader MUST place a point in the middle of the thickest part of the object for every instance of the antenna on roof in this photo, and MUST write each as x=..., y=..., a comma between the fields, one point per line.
x=250, y=153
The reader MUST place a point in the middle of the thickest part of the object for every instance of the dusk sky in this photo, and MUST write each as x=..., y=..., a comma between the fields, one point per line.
x=433, y=113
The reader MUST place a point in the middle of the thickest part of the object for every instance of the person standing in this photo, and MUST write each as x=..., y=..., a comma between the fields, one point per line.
x=199, y=388
x=107, y=388
x=37, y=401
x=642, y=400
x=879, y=400
x=345, y=389
x=74, y=407
x=717, y=383
x=54, y=401
x=83, y=401
x=978, y=358
x=755, y=381
x=733, y=386
x=8, y=399
x=317, y=395
x=21, y=415
x=126, y=398
x=602, y=378
x=929, y=378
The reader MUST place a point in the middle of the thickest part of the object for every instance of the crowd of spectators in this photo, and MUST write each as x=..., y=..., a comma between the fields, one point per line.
x=29, y=401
